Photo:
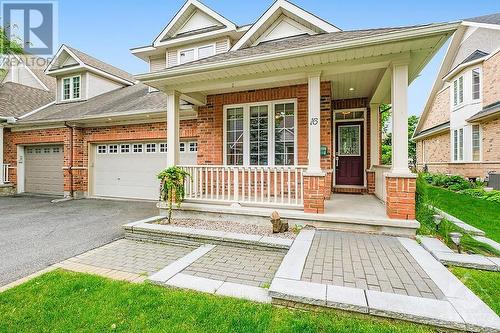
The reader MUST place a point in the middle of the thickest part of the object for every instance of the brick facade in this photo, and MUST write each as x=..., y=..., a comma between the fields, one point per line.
x=314, y=194
x=439, y=112
x=491, y=80
x=76, y=178
x=400, y=200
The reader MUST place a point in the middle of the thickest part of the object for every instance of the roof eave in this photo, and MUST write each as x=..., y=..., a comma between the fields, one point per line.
x=392, y=36
x=438, y=131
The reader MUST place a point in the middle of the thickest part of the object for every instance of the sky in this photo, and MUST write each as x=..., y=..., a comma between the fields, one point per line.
x=107, y=29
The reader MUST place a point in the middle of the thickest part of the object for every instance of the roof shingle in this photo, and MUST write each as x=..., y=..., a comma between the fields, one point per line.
x=17, y=100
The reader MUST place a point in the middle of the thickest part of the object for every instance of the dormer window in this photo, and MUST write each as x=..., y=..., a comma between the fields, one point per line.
x=196, y=53
x=71, y=88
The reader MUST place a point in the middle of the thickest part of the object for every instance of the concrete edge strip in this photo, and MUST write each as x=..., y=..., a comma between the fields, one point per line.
x=417, y=309
x=219, y=287
x=475, y=313
x=26, y=278
x=459, y=223
x=293, y=263
x=212, y=234
x=131, y=225
x=179, y=265
x=448, y=257
x=487, y=241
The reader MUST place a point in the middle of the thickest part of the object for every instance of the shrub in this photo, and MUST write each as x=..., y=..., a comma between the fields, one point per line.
x=450, y=182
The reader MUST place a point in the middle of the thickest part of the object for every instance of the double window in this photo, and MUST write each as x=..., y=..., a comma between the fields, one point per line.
x=476, y=84
x=476, y=143
x=458, y=91
x=458, y=145
x=71, y=88
x=261, y=134
x=196, y=53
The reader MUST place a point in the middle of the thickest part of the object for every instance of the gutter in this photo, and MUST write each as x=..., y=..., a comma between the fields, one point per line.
x=387, y=37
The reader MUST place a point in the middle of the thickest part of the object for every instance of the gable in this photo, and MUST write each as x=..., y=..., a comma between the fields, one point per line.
x=194, y=17
x=439, y=111
x=63, y=60
x=198, y=21
x=283, y=19
x=282, y=28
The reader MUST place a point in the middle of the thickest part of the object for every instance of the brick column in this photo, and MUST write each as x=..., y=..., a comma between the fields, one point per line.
x=370, y=181
x=314, y=194
x=400, y=199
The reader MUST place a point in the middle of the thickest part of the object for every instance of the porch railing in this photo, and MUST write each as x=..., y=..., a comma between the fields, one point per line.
x=380, y=190
x=4, y=174
x=252, y=185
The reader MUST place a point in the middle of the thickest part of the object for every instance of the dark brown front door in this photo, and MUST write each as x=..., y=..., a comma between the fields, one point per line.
x=349, y=157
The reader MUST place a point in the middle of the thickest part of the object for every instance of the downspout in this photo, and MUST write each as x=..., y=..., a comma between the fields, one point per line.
x=70, y=167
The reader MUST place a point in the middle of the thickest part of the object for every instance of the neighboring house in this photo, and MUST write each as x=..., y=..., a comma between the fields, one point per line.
x=279, y=113
x=23, y=89
x=459, y=130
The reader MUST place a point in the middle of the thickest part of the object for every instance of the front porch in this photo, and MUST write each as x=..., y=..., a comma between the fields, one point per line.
x=289, y=132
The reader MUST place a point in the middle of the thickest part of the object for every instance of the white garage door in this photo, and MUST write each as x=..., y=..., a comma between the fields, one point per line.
x=44, y=169
x=129, y=170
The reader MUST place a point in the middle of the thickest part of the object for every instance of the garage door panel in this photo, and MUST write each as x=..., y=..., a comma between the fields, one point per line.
x=131, y=175
x=43, y=169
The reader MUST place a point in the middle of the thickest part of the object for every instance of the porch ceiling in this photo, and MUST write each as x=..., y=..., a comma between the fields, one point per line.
x=362, y=66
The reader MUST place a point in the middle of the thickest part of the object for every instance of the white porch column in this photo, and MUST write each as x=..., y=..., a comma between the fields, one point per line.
x=1, y=155
x=173, y=128
x=314, y=137
x=399, y=99
x=374, y=134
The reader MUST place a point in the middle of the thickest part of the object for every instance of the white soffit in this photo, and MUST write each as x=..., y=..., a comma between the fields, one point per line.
x=299, y=20
x=191, y=17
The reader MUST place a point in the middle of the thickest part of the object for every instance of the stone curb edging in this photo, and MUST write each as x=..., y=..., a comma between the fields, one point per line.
x=204, y=235
x=488, y=241
x=477, y=316
x=450, y=313
x=449, y=258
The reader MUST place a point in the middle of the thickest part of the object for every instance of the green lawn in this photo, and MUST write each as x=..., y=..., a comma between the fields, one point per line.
x=486, y=285
x=62, y=301
x=481, y=214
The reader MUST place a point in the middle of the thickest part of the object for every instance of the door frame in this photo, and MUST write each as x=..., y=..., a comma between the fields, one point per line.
x=334, y=144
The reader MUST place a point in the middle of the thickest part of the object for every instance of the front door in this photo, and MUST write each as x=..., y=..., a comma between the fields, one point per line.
x=349, y=157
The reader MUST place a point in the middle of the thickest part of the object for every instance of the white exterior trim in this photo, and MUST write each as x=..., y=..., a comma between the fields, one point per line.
x=228, y=24
x=481, y=25
x=71, y=98
x=36, y=110
x=285, y=5
x=270, y=135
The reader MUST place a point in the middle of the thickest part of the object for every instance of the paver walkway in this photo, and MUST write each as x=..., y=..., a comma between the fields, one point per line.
x=239, y=265
x=364, y=261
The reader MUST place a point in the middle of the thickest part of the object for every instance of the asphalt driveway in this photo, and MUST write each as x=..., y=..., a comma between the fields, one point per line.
x=35, y=233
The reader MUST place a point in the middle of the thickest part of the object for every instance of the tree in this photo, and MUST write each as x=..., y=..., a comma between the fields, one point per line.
x=385, y=117
x=8, y=46
x=172, y=187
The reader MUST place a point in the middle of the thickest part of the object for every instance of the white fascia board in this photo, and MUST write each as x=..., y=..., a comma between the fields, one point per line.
x=193, y=38
x=230, y=25
x=94, y=70
x=431, y=133
x=461, y=67
x=61, y=49
x=482, y=25
x=443, y=69
x=413, y=33
x=31, y=72
x=283, y=4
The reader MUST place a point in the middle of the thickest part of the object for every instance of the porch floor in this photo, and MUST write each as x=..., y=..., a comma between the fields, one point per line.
x=360, y=206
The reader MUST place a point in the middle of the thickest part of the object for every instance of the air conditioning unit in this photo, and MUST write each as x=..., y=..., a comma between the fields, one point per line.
x=494, y=180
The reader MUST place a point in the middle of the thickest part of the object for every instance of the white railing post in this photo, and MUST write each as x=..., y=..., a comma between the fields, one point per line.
x=236, y=184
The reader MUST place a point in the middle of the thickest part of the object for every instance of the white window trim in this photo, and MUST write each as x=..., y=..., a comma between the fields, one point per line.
x=129, y=148
x=270, y=135
x=196, y=52
x=151, y=143
x=457, y=160
x=479, y=70
x=480, y=143
x=457, y=80
x=105, y=149
x=71, y=78
x=114, y=144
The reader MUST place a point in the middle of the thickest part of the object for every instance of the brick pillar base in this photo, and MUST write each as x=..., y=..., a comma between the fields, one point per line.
x=370, y=181
x=400, y=199
x=314, y=194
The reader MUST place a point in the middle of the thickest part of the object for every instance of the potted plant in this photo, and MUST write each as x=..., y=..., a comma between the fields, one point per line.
x=172, y=187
